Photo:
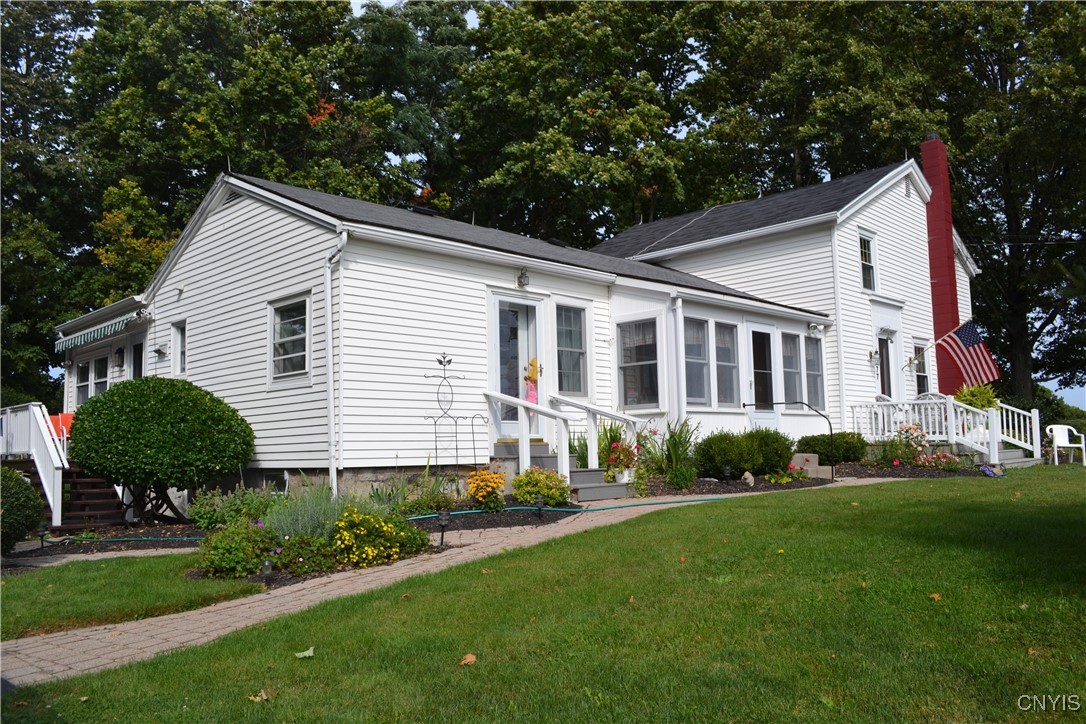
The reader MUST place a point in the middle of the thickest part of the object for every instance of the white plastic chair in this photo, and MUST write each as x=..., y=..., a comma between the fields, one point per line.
x=1061, y=437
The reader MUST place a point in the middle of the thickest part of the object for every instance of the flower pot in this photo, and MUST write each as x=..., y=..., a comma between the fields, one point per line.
x=623, y=477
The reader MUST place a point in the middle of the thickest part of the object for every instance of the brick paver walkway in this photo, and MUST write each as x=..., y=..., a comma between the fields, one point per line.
x=55, y=656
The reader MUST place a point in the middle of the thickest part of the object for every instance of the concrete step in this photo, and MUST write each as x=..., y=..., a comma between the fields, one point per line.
x=809, y=463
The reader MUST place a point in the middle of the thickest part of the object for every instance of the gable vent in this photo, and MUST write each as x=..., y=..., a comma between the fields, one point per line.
x=908, y=188
x=231, y=198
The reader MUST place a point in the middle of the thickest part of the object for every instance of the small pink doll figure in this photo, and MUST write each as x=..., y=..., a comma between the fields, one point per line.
x=531, y=381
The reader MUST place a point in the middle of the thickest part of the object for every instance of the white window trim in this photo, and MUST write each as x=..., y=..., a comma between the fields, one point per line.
x=799, y=371
x=922, y=345
x=661, y=361
x=293, y=379
x=872, y=239
x=179, y=336
x=586, y=330
x=714, y=363
x=805, y=373
x=710, y=343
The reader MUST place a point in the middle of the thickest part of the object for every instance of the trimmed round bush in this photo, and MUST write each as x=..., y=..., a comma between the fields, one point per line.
x=848, y=447
x=21, y=509
x=157, y=432
x=774, y=447
x=726, y=455
x=238, y=550
x=539, y=481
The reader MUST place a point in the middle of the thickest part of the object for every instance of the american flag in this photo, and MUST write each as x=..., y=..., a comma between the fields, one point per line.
x=970, y=354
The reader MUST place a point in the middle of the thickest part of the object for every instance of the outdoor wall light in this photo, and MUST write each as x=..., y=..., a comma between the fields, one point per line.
x=816, y=329
x=875, y=359
x=443, y=520
x=522, y=278
x=160, y=350
x=118, y=357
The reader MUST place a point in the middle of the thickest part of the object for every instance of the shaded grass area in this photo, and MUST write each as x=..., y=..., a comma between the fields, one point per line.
x=89, y=593
x=814, y=605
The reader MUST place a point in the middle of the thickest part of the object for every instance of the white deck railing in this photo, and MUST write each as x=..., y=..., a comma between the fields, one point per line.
x=26, y=431
x=592, y=435
x=1021, y=428
x=944, y=419
x=497, y=399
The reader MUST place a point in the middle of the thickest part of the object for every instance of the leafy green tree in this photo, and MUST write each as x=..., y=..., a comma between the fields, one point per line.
x=43, y=215
x=563, y=125
x=1015, y=80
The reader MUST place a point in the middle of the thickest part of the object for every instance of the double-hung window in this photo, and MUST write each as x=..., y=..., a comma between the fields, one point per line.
x=727, y=365
x=180, y=343
x=793, y=374
x=867, y=262
x=91, y=378
x=696, y=332
x=571, y=350
x=290, y=339
x=637, y=363
x=816, y=397
x=920, y=365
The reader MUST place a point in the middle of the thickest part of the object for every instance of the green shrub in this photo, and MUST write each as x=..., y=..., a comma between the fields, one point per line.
x=774, y=447
x=157, y=433
x=672, y=449
x=539, y=481
x=428, y=494
x=848, y=447
x=237, y=551
x=682, y=477
x=312, y=514
x=981, y=397
x=21, y=509
x=364, y=539
x=213, y=509
x=726, y=455
x=302, y=554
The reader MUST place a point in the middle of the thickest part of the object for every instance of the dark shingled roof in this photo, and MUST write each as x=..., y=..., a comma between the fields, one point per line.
x=364, y=212
x=740, y=216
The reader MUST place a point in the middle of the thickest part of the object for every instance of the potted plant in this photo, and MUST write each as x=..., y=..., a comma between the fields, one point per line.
x=622, y=459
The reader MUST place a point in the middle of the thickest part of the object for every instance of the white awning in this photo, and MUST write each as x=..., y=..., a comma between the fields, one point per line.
x=100, y=332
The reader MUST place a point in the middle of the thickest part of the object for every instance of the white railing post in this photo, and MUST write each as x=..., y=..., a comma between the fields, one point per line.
x=592, y=439
x=1035, y=424
x=563, y=447
x=951, y=423
x=524, y=442
x=993, y=436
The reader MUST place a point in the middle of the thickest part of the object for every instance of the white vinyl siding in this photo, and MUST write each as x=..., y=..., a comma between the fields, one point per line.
x=220, y=286
x=696, y=335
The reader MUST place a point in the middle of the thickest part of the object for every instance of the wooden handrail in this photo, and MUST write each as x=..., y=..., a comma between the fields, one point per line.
x=592, y=436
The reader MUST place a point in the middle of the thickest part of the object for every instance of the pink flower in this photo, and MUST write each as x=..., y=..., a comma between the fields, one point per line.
x=791, y=466
x=806, y=460
x=896, y=463
x=614, y=445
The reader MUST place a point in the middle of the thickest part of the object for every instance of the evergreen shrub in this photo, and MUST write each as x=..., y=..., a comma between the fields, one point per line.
x=21, y=509
x=848, y=447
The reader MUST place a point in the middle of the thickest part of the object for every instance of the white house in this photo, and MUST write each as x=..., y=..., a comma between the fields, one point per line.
x=324, y=321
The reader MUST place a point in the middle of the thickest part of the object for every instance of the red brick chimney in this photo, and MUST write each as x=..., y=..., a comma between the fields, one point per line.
x=944, y=280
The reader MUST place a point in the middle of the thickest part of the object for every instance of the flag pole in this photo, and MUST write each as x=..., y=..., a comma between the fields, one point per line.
x=932, y=344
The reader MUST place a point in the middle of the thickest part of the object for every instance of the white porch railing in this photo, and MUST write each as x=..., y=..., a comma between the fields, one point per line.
x=944, y=419
x=1021, y=428
x=27, y=431
x=592, y=435
x=497, y=399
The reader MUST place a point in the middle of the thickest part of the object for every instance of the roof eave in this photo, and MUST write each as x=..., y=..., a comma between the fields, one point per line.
x=103, y=314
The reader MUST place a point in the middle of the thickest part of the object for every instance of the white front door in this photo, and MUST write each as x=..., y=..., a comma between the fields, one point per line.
x=520, y=372
x=763, y=375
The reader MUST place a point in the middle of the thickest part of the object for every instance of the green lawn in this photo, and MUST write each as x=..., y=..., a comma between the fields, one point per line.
x=914, y=600
x=89, y=593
